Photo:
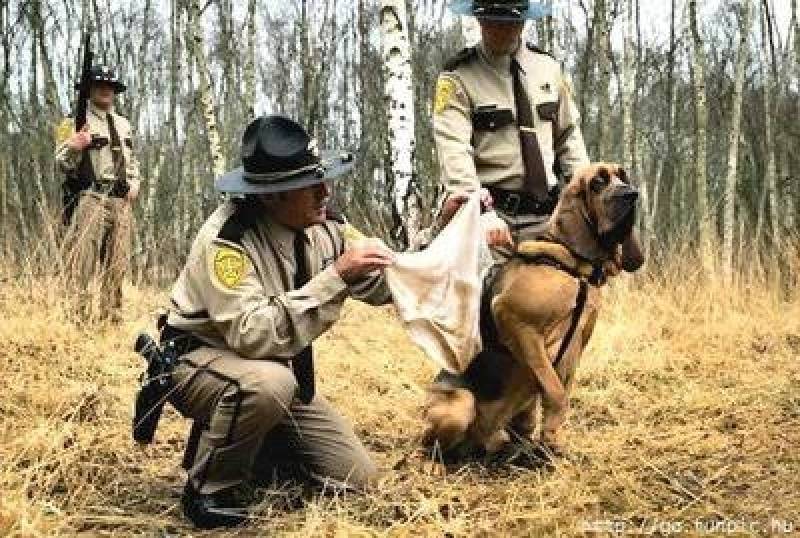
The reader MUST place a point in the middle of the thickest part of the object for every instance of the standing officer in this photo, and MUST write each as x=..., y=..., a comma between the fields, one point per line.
x=267, y=274
x=102, y=182
x=505, y=119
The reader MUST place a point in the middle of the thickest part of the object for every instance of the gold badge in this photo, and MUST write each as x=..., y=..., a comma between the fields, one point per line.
x=229, y=266
x=445, y=89
x=64, y=130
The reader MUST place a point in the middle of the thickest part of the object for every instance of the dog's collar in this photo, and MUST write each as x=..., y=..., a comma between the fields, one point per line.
x=550, y=252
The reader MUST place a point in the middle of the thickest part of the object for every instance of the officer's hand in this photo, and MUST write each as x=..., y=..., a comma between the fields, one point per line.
x=80, y=140
x=357, y=263
x=133, y=190
x=457, y=199
x=497, y=231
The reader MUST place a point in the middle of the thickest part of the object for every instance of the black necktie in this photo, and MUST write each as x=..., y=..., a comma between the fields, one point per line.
x=303, y=362
x=534, y=178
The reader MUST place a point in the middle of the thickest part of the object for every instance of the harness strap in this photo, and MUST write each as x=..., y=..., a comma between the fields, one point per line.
x=577, y=312
x=489, y=334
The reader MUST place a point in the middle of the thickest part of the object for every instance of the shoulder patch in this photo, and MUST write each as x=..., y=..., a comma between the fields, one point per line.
x=230, y=266
x=534, y=48
x=63, y=130
x=445, y=90
x=465, y=55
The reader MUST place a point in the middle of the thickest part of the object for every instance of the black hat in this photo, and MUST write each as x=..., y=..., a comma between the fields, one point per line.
x=501, y=10
x=104, y=74
x=278, y=155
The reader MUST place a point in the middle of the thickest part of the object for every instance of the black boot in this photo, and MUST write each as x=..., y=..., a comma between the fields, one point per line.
x=210, y=510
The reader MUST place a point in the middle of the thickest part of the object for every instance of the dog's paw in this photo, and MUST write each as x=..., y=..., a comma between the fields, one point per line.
x=496, y=442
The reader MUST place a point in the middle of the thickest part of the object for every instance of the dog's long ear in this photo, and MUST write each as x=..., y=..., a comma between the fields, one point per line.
x=572, y=227
x=631, y=248
x=632, y=253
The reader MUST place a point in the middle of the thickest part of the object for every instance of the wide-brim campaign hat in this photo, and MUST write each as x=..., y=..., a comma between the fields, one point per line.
x=278, y=155
x=500, y=10
x=101, y=74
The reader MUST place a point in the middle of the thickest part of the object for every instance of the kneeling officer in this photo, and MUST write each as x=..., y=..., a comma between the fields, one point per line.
x=267, y=274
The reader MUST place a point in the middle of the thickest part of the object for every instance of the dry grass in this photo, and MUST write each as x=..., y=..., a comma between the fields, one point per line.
x=687, y=408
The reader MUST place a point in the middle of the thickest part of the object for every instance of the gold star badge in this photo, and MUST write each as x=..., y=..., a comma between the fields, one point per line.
x=445, y=89
x=229, y=266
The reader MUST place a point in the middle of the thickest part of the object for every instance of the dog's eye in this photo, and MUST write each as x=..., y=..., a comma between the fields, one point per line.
x=599, y=183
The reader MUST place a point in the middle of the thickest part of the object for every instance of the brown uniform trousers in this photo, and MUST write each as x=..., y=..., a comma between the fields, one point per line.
x=97, y=249
x=238, y=402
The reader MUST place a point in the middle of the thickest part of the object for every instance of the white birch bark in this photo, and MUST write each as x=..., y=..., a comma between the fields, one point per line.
x=196, y=46
x=729, y=201
x=470, y=30
x=250, y=65
x=400, y=100
x=704, y=217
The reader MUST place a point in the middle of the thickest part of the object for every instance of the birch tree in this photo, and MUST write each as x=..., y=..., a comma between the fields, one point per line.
x=399, y=98
x=196, y=46
x=728, y=221
x=704, y=218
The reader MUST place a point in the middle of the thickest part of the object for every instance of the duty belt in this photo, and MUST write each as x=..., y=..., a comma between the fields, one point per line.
x=514, y=202
x=113, y=189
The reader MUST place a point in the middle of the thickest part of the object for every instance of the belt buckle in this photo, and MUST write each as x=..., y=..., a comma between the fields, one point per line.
x=511, y=205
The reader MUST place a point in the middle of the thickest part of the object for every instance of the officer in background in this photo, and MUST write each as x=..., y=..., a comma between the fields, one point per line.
x=102, y=181
x=505, y=119
x=267, y=274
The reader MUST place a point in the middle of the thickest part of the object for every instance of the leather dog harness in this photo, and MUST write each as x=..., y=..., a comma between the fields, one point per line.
x=580, y=301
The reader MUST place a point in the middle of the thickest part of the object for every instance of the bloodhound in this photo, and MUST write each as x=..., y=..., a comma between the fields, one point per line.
x=541, y=308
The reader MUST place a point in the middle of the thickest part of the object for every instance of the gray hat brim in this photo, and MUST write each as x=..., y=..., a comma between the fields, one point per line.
x=334, y=162
x=536, y=10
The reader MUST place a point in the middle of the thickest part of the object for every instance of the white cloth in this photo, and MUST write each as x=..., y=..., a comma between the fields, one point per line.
x=437, y=291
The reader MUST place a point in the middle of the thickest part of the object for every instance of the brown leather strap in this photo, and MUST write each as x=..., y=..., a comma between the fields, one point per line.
x=535, y=176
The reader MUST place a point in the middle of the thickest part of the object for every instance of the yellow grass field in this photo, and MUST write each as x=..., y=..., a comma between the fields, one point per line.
x=685, y=422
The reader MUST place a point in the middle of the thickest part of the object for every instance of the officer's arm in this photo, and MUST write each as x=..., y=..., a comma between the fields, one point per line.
x=452, y=132
x=131, y=166
x=257, y=322
x=371, y=289
x=569, y=146
x=67, y=158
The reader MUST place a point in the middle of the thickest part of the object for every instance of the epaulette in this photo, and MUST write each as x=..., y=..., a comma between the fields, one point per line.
x=467, y=54
x=534, y=48
x=233, y=230
x=332, y=213
x=243, y=218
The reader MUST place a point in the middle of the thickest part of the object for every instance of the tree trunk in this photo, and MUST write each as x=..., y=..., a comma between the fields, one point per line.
x=728, y=221
x=250, y=65
x=470, y=30
x=196, y=47
x=601, y=32
x=769, y=140
x=704, y=217
x=399, y=97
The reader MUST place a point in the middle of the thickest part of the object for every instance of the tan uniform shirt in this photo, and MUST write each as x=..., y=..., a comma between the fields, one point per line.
x=102, y=160
x=471, y=155
x=241, y=297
